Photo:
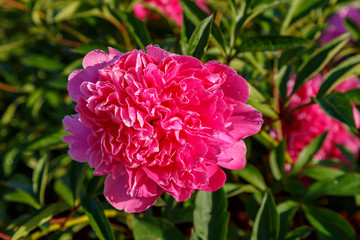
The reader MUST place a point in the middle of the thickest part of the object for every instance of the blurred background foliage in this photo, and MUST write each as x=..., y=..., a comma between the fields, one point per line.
x=46, y=195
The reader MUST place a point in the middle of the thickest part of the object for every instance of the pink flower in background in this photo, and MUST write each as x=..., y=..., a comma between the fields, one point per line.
x=158, y=122
x=336, y=23
x=169, y=8
x=306, y=123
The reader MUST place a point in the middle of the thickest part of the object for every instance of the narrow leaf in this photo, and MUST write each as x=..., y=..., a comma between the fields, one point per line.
x=195, y=15
x=304, y=7
x=272, y=43
x=337, y=106
x=63, y=190
x=266, y=225
x=42, y=62
x=67, y=12
x=322, y=172
x=21, y=196
x=138, y=30
x=210, y=215
x=287, y=211
x=150, y=228
x=277, y=160
x=318, y=60
x=353, y=95
x=329, y=224
x=348, y=68
x=299, y=233
x=98, y=221
x=252, y=175
x=344, y=185
x=308, y=153
x=200, y=38
x=77, y=176
x=41, y=217
x=353, y=28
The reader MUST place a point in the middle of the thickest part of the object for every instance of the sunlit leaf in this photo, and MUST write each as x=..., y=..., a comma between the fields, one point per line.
x=337, y=106
x=98, y=221
x=210, y=215
x=151, y=228
x=41, y=217
x=266, y=225
x=308, y=153
x=199, y=40
x=318, y=60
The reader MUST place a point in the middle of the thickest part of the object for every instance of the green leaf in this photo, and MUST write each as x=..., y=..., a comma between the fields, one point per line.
x=277, y=160
x=318, y=60
x=42, y=62
x=95, y=183
x=77, y=176
x=137, y=29
x=200, y=38
x=98, y=221
x=304, y=7
x=85, y=48
x=322, y=172
x=47, y=140
x=40, y=177
x=353, y=28
x=234, y=189
x=210, y=215
x=271, y=43
x=346, y=69
x=195, y=15
x=282, y=80
x=308, y=153
x=266, y=225
x=353, y=95
x=252, y=175
x=42, y=216
x=186, y=30
x=329, y=224
x=63, y=190
x=299, y=233
x=345, y=185
x=287, y=211
x=151, y=228
x=289, y=15
x=67, y=11
x=258, y=101
x=337, y=106
x=21, y=196
x=347, y=153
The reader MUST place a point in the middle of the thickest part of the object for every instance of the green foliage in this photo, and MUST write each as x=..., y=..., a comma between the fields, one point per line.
x=272, y=44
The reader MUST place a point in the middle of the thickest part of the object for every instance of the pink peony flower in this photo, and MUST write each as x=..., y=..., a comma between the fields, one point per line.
x=158, y=122
x=336, y=23
x=169, y=8
x=306, y=123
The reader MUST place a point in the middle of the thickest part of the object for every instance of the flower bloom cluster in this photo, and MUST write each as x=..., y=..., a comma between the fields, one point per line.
x=169, y=8
x=336, y=23
x=306, y=123
x=158, y=122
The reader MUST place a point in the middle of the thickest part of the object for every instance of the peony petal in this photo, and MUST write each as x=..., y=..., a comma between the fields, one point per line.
x=157, y=53
x=233, y=157
x=234, y=86
x=217, y=178
x=116, y=193
x=114, y=52
x=95, y=59
x=75, y=79
x=246, y=121
x=78, y=140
